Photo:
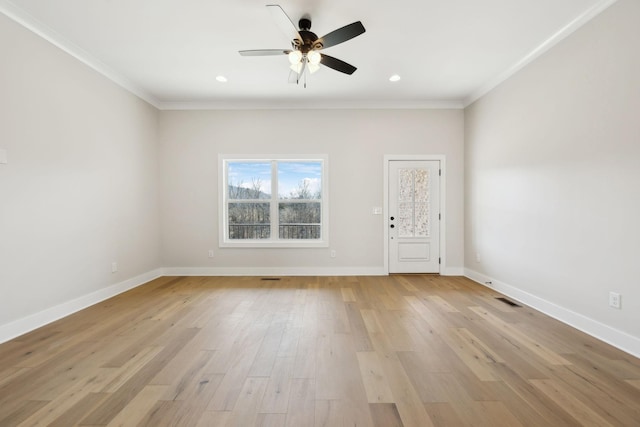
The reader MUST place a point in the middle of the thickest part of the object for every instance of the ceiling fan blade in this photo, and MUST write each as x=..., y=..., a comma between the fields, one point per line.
x=285, y=23
x=264, y=52
x=337, y=64
x=342, y=34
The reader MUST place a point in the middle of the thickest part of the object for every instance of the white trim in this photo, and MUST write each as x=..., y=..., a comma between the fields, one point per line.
x=274, y=271
x=29, y=22
x=312, y=105
x=556, y=38
x=443, y=203
x=452, y=271
x=223, y=242
x=622, y=340
x=26, y=324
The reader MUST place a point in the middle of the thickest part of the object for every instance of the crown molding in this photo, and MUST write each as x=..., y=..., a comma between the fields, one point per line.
x=312, y=105
x=560, y=35
x=23, y=18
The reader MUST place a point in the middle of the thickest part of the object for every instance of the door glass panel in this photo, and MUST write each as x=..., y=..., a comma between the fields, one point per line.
x=405, y=219
x=422, y=228
x=421, y=187
x=413, y=203
x=405, y=192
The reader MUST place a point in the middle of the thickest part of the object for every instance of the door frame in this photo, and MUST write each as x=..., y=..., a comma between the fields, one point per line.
x=443, y=219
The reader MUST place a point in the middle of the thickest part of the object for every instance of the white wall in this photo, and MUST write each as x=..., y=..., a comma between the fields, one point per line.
x=80, y=189
x=552, y=175
x=355, y=141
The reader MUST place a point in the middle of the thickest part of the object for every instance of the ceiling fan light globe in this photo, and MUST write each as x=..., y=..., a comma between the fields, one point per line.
x=313, y=67
x=314, y=57
x=294, y=57
x=296, y=67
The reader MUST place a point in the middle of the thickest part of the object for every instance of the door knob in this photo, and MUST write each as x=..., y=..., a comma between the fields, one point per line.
x=392, y=218
x=392, y=226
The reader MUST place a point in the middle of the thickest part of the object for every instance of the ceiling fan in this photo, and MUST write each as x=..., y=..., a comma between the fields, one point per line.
x=306, y=46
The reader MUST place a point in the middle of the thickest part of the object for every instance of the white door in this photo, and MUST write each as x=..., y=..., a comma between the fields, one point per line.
x=414, y=216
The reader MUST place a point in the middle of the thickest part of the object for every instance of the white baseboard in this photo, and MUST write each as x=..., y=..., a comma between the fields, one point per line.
x=36, y=320
x=274, y=271
x=453, y=271
x=289, y=271
x=619, y=339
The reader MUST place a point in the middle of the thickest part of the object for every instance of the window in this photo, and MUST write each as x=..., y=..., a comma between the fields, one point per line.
x=273, y=202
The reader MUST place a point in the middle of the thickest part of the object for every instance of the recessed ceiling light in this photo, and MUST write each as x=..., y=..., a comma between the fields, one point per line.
x=221, y=79
x=394, y=78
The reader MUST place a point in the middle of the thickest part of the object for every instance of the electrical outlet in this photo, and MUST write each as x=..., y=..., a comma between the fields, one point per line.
x=210, y=253
x=477, y=256
x=614, y=299
x=114, y=267
x=333, y=253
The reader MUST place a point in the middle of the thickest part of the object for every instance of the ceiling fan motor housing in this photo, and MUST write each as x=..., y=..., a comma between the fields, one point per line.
x=309, y=39
x=304, y=24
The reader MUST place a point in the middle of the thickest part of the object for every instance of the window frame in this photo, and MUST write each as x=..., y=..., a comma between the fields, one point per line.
x=274, y=241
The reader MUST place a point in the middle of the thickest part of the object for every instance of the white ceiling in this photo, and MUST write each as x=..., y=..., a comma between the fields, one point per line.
x=169, y=52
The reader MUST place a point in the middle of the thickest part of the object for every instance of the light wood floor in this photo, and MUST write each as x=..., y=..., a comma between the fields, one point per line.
x=314, y=351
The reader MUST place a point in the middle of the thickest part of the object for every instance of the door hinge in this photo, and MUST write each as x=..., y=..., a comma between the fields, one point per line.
x=439, y=260
x=439, y=172
x=440, y=217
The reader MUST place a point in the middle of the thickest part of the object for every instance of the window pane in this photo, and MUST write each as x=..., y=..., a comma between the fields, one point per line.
x=249, y=221
x=299, y=220
x=299, y=180
x=249, y=180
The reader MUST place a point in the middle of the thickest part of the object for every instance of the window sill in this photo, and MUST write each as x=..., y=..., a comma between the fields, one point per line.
x=257, y=244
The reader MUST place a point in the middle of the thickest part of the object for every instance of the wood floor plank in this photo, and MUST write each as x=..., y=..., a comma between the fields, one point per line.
x=442, y=304
x=71, y=396
x=410, y=350
x=22, y=412
x=543, y=352
x=373, y=377
x=358, y=329
x=117, y=400
x=528, y=403
x=302, y=403
x=385, y=415
x=245, y=411
x=277, y=393
x=409, y=405
x=162, y=413
x=136, y=409
x=271, y=420
x=569, y=403
x=236, y=374
x=131, y=368
x=214, y=419
x=442, y=414
x=472, y=352
x=73, y=415
x=347, y=295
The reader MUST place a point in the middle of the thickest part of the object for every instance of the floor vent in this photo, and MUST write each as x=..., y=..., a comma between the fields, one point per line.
x=270, y=278
x=506, y=301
